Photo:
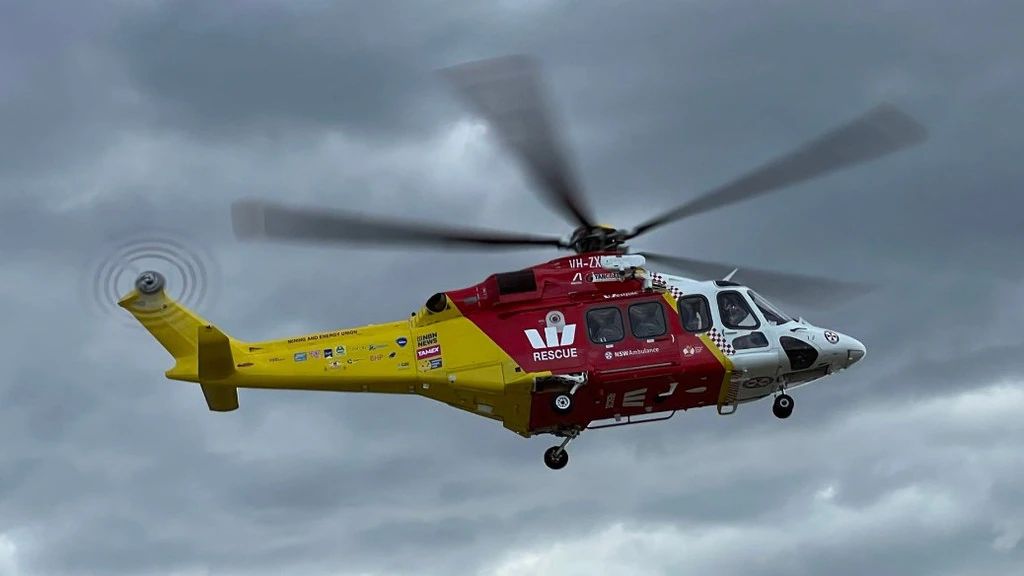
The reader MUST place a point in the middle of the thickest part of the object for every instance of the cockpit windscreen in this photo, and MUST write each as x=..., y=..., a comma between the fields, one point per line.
x=771, y=313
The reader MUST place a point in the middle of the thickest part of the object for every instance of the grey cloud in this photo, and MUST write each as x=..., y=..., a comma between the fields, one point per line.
x=158, y=116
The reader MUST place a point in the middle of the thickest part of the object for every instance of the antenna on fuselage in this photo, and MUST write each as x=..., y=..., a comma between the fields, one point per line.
x=728, y=277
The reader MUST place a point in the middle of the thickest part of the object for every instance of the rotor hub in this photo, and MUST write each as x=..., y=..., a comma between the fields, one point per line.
x=601, y=238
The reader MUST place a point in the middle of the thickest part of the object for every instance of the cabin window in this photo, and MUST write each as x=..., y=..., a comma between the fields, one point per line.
x=647, y=320
x=752, y=340
x=605, y=325
x=695, y=313
x=735, y=311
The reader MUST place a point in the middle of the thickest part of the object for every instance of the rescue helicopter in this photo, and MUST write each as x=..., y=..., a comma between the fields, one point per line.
x=594, y=339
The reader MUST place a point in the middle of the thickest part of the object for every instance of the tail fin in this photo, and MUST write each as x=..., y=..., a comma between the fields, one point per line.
x=202, y=353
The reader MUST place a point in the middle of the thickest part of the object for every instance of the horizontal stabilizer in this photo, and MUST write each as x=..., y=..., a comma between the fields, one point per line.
x=215, y=361
x=220, y=398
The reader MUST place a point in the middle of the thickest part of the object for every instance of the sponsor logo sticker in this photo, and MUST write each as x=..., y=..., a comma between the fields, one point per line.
x=401, y=341
x=633, y=352
x=832, y=337
x=555, y=343
x=340, y=350
x=328, y=353
x=428, y=352
x=426, y=339
x=300, y=357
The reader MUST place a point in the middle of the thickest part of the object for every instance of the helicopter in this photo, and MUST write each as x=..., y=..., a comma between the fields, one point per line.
x=594, y=339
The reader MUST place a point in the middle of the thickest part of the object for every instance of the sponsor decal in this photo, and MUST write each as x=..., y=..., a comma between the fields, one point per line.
x=428, y=351
x=426, y=339
x=692, y=350
x=401, y=341
x=430, y=364
x=243, y=365
x=324, y=336
x=832, y=337
x=403, y=365
x=300, y=357
x=556, y=343
x=608, y=355
x=392, y=355
x=757, y=382
x=619, y=295
x=328, y=353
x=633, y=352
x=605, y=277
x=276, y=359
x=609, y=400
x=376, y=357
x=340, y=350
x=334, y=365
x=373, y=347
x=314, y=354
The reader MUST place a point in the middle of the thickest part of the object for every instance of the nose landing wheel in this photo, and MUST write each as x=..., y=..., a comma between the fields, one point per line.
x=783, y=406
x=557, y=457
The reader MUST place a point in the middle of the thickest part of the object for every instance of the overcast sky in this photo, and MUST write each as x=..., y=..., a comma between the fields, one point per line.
x=124, y=122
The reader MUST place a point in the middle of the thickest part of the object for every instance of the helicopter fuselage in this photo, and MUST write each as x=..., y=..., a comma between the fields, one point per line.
x=575, y=342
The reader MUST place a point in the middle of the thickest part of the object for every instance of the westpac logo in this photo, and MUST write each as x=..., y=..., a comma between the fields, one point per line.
x=556, y=342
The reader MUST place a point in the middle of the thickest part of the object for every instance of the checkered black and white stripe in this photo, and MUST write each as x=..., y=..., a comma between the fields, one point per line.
x=659, y=281
x=721, y=342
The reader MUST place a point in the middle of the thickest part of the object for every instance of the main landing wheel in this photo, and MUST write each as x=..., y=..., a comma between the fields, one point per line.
x=556, y=457
x=562, y=403
x=783, y=406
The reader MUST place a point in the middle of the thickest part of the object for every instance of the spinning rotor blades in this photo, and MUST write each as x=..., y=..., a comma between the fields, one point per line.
x=883, y=130
x=507, y=93
x=254, y=219
x=781, y=286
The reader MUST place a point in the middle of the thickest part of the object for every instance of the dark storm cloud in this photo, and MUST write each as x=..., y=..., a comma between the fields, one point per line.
x=214, y=68
x=123, y=118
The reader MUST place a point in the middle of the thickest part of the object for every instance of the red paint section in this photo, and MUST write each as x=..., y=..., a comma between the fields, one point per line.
x=546, y=329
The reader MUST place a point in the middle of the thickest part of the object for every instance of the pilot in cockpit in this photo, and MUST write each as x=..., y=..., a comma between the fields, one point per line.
x=734, y=311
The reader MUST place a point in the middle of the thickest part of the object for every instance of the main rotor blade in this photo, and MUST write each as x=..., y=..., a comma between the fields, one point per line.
x=782, y=286
x=257, y=220
x=507, y=92
x=883, y=130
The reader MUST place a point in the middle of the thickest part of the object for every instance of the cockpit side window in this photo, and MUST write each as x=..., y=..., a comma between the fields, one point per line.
x=735, y=311
x=647, y=320
x=695, y=313
x=605, y=325
x=771, y=313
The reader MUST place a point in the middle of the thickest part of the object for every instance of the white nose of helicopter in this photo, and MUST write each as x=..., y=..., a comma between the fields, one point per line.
x=855, y=350
x=844, y=350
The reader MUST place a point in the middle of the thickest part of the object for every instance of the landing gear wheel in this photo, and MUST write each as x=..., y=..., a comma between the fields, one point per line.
x=556, y=457
x=562, y=403
x=783, y=406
